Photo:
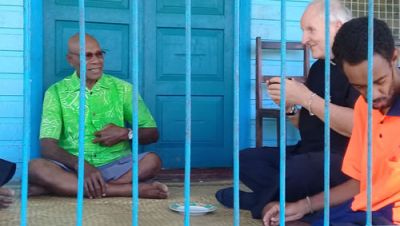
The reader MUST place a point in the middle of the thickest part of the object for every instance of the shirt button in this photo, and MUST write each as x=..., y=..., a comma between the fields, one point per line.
x=91, y=93
x=380, y=135
x=94, y=114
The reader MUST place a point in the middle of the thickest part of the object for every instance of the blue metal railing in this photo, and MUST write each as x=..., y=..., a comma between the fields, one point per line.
x=236, y=31
x=370, y=99
x=27, y=111
x=188, y=106
x=134, y=65
x=327, y=114
x=82, y=103
x=135, y=68
x=282, y=121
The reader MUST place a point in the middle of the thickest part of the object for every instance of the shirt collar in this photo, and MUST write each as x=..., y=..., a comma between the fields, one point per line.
x=75, y=82
x=395, y=108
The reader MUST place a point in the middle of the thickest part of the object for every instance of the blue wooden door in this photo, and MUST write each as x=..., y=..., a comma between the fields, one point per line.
x=164, y=79
x=108, y=21
x=162, y=67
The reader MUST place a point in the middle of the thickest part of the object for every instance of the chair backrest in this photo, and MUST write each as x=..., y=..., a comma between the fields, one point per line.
x=261, y=79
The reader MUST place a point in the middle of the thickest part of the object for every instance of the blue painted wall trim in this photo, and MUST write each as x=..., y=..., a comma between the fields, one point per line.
x=244, y=73
x=37, y=74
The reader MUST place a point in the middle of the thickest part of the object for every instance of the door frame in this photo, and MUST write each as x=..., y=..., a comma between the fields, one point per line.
x=37, y=46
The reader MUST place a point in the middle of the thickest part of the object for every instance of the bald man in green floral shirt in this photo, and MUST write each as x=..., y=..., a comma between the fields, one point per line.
x=108, y=157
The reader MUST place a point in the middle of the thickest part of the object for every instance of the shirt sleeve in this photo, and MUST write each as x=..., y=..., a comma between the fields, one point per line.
x=351, y=162
x=145, y=119
x=51, y=124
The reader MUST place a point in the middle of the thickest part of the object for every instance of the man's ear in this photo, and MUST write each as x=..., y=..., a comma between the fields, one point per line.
x=338, y=24
x=69, y=59
x=395, y=57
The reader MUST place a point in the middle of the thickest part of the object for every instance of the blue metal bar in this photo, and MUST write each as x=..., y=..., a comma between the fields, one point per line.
x=327, y=114
x=236, y=31
x=134, y=61
x=188, y=129
x=369, y=98
x=27, y=110
x=282, y=121
x=82, y=103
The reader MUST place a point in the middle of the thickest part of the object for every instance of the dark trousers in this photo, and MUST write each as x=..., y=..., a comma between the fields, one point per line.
x=343, y=215
x=7, y=170
x=259, y=170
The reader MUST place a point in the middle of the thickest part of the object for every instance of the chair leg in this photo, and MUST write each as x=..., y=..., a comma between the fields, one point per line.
x=259, y=132
x=278, y=132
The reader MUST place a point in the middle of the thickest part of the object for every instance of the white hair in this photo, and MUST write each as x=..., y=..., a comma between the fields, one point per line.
x=338, y=12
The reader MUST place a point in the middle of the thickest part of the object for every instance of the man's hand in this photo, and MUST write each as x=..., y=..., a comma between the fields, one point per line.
x=293, y=211
x=270, y=214
x=94, y=185
x=111, y=135
x=296, y=92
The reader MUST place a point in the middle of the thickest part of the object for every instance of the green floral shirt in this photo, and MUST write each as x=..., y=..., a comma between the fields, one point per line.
x=109, y=101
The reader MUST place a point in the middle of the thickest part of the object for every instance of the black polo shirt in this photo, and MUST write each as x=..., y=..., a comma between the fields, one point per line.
x=311, y=127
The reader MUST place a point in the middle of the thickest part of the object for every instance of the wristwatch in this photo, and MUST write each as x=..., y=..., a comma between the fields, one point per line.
x=130, y=133
x=293, y=110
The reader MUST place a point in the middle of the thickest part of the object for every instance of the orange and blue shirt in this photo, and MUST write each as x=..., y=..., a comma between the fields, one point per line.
x=385, y=156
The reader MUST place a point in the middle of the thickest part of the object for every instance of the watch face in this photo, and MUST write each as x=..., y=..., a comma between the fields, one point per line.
x=130, y=134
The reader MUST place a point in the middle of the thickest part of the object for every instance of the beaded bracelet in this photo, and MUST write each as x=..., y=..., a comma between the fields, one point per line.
x=309, y=204
x=310, y=100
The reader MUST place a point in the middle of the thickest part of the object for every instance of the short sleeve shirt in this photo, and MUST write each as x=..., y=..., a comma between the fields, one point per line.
x=109, y=101
x=385, y=155
x=342, y=94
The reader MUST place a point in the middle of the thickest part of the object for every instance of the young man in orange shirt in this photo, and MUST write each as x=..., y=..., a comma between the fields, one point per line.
x=350, y=51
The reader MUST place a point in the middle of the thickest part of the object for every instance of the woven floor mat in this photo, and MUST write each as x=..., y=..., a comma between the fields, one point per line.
x=49, y=211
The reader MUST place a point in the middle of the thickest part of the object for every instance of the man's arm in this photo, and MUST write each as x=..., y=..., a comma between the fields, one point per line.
x=148, y=135
x=113, y=134
x=341, y=118
x=297, y=210
x=297, y=93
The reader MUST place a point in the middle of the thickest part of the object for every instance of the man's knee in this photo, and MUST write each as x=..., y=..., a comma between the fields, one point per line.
x=38, y=169
x=153, y=161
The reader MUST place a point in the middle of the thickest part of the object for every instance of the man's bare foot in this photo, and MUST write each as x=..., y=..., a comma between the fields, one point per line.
x=6, y=197
x=154, y=190
x=35, y=190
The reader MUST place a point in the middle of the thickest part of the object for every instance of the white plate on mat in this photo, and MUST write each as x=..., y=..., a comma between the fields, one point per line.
x=196, y=208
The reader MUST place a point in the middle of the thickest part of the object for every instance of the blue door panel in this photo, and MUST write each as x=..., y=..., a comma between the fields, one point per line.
x=212, y=80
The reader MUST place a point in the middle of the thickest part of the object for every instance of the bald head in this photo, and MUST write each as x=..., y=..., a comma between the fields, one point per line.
x=73, y=42
x=94, y=58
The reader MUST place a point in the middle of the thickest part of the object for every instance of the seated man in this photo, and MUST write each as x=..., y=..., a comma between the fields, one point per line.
x=7, y=170
x=259, y=168
x=107, y=151
x=349, y=198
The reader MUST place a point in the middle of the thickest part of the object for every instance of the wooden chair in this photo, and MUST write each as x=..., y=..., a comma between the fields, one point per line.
x=262, y=112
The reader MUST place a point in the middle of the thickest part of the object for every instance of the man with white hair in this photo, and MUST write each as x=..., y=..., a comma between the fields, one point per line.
x=259, y=168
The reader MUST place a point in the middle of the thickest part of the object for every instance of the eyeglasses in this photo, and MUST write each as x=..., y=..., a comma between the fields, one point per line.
x=90, y=55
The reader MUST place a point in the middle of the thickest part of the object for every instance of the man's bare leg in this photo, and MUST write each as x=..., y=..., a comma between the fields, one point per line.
x=6, y=197
x=47, y=177
x=154, y=190
x=149, y=166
